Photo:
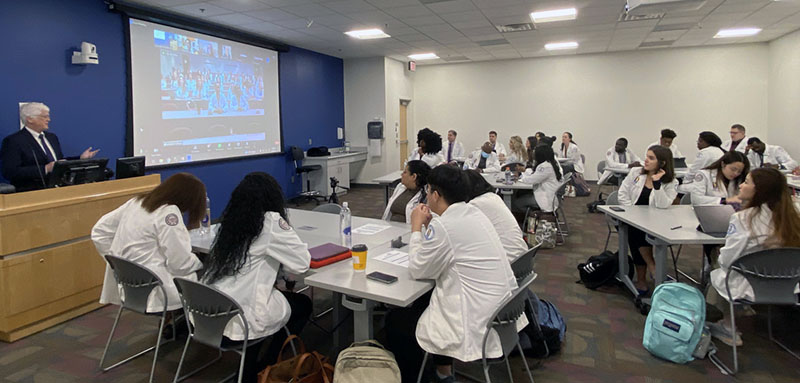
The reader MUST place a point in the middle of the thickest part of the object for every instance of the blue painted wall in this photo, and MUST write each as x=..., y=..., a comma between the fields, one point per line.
x=89, y=103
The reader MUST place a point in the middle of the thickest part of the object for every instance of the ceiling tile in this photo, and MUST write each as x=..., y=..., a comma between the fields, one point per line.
x=201, y=10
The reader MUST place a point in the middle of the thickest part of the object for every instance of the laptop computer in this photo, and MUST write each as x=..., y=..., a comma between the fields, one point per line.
x=714, y=219
x=679, y=163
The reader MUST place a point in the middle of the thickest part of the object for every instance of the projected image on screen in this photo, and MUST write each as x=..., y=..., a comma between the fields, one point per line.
x=198, y=97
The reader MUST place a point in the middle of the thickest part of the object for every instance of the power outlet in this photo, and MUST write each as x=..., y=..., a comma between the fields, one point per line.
x=309, y=141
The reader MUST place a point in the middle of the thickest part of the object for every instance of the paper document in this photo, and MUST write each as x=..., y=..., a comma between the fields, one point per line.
x=394, y=257
x=370, y=228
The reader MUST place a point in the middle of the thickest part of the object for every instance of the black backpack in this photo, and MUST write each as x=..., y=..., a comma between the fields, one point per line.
x=592, y=206
x=602, y=269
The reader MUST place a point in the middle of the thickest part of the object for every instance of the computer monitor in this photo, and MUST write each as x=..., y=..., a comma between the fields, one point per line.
x=130, y=167
x=76, y=172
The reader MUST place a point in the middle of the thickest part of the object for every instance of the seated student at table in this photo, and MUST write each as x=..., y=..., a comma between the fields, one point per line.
x=719, y=182
x=763, y=155
x=429, y=144
x=545, y=179
x=497, y=147
x=452, y=150
x=709, y=151
x=516, y=151
x=619, y=157
x=570, y=151
x=738, y=141
x=483, y=160
x=409, y=193
x=149, y=230
x=769, y=219
x=651, y=185
x=483, y=196
x=667, y=140
x=461, y=252
x=530, y=148
x=254, y=241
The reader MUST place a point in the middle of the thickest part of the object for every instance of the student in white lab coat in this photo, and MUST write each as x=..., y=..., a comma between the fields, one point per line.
x=653, y=185
x=254, y=241
x=459, y=249
x=483, y=196
x=516, y=151
x=530, y=147
x=409, y=193
x=429, y=146
x=763, y=155
x=571, y=151
x=545, y=179
x=149, y=231
x=483, y=160
x=709, y=151
x=497, y=147
x=738, y=141
x=667, y=140
x=619, y=157
x=769, y=219
x=452, y=150
x=719, y=182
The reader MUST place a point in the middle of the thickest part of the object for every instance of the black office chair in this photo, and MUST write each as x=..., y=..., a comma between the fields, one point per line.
x=307, y=194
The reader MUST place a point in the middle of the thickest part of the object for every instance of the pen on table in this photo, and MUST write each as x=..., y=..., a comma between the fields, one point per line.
x=676, y=227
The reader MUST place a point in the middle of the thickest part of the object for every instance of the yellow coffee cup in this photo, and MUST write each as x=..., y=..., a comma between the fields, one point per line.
x=359, y=257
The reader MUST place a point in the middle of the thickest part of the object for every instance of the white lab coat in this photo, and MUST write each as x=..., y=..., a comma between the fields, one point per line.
x=742, y=239
x=459, y=154
x=265, y=308
x=461, y=251
x=704, y=157
x=706, y=191
x=513, y=157
x=412, y=203
x=545, y=185
x=773, y=154
x=492, y=163
x=159, y=241
x=673, y=148
x=614, y=161
x=433, y=160
x=726, y=146
x=574, y=156
x=499, y=148
x=493, y=207
x=632, y=187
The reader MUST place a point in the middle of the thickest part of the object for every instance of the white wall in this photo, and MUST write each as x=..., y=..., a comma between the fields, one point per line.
x=600, y=97
x=784, y=93
x=399, y=86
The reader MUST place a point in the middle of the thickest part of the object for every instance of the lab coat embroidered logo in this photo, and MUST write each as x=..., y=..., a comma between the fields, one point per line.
x=698, y=177
x=637, y=179
x=283, y=224
x=731, y=229
x=429, y=233
x=171, y=219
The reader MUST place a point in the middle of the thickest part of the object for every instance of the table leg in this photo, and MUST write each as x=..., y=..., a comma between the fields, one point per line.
x=623, y=259
x=386, y=197
x=507, y=193
x=336, y=317
x=362, y=317
x=660, y=256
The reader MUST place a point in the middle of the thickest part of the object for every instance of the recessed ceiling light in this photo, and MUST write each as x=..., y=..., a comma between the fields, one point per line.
x=737, y=32
x=554, y=15
x=423, y=56
x=366, y=34
x=561, y=46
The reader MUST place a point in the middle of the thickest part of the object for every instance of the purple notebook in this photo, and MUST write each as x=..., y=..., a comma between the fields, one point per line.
x=328, y=250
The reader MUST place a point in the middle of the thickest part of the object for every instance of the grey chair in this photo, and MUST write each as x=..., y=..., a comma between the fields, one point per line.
x=686, y=199
x=523, y=268
x=561, y=216
x=307, y=195
x=504, y=322
x=211, y=310
x=137, y=283
x=613, y=225
x=331, y=208
x=773, y=275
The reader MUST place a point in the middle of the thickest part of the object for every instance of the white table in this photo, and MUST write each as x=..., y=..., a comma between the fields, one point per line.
x=387, y=181
x=793, y=181
x=676, y=225
x=337, y=165
x=620, y=173
x=506, y=190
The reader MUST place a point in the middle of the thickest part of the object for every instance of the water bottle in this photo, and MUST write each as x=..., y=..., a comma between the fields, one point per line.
x=345, y=226
x=508, y=177
x=205, y=225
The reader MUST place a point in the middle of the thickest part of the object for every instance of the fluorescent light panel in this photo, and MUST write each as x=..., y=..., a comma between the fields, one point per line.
x=561, y=46
x=554, y=15
x=366, y=34
x=423, y=56
x=737, y=32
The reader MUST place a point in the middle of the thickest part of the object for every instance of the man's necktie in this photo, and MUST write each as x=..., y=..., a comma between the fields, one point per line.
x=47, y=153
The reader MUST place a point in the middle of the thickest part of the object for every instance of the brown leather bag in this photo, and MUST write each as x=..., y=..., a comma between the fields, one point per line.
x=305, y=367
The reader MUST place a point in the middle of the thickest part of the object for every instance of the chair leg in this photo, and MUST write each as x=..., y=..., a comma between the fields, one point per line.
x=111, y=335
x=241, y=360
x=525, y=361
x=608, y=238
x=538, y=328
x=486, y=370
x=158, y=343
x=508, y=367
x=772, y=338
x=422, y=368
x=180, y=362
x=733, y=331
x=132, y=357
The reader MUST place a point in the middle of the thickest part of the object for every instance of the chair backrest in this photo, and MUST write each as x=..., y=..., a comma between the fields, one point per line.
x=331, y=208
x=772, y=273
x=504, y=319
x=210, y=310
x=601, y=167
x=562, y=188
x=523, y=265
x=137, y=283
x=686, y=199
x=297, y=154
x=613, y=198
x=583, y=159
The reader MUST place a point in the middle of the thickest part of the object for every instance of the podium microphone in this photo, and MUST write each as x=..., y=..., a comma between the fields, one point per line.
x=39, y=168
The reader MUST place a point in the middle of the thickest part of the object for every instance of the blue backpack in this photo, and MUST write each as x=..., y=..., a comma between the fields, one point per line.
x=675, y=323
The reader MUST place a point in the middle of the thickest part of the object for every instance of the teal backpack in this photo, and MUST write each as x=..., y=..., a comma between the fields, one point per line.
x=675, y=323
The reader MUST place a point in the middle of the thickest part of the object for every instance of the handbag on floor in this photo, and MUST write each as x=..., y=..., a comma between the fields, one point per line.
x=580, y=186
x=366, y=361
x=305, y=367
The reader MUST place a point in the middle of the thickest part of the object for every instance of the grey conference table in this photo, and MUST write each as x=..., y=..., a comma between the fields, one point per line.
x=676, y=225
x=349, y=287
x=387, y=181
x=497, y=180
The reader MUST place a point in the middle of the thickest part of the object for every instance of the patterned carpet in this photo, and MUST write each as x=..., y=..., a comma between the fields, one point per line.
x=603, y=341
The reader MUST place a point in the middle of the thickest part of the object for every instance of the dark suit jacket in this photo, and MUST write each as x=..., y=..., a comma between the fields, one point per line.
x=18, y=161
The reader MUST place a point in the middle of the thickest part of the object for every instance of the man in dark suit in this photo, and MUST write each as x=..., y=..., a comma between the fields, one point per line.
x=28, y=156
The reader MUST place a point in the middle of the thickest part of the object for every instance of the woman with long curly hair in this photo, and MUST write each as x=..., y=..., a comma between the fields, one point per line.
x=429, y=146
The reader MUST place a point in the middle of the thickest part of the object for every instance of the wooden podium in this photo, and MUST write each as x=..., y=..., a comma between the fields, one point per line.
x=50, y=271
